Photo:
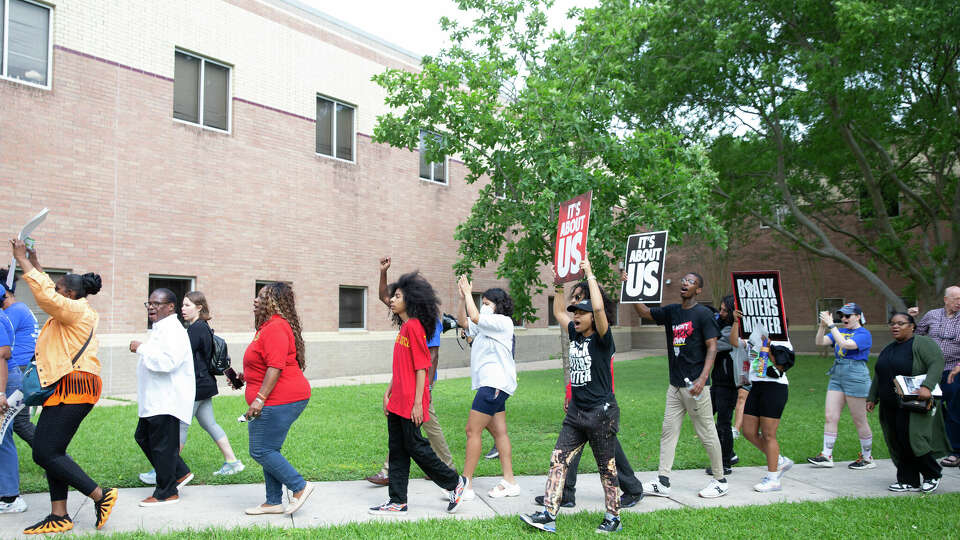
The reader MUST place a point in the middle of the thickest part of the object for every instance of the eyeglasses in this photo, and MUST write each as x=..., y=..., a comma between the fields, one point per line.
x=149, y=305
x=686, y=281
x=845, y=315
x=898, y=323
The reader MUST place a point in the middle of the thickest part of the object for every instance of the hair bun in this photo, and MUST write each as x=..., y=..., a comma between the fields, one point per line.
x=91, y=283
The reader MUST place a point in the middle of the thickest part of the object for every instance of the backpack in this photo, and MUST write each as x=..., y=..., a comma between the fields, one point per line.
x=219, y=357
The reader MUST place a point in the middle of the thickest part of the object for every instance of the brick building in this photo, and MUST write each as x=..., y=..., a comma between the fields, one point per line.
x=220, y=144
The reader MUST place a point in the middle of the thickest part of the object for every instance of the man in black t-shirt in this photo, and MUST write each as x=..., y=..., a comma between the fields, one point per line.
x=691, y=349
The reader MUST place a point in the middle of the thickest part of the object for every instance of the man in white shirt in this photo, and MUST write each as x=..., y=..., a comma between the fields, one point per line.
x=165, y=393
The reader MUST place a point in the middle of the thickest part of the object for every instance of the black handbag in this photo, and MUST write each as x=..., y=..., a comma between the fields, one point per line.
x=912, y=403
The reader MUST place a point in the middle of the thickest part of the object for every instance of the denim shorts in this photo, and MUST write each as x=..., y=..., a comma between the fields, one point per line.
x=490, y=401
x=851, y=378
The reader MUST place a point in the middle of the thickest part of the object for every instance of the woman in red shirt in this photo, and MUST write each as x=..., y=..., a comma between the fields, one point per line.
x=277, y=393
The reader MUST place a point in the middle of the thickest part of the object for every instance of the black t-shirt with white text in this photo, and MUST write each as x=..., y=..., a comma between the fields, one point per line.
x=687, y=333
x=591, y=383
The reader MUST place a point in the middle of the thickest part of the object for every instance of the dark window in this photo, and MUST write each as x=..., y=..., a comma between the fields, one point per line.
x=179, y=285
x=551, y=319
x=201, y=91
x=828, y=304
x=352, y=307
x=891, y=200
x=435, y=172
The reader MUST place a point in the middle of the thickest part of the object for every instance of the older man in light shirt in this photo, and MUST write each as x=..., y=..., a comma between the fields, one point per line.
x=165, y=395
x=943, y=326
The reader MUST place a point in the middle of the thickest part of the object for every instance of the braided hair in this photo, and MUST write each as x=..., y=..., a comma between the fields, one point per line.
x=279, y=300
x=420, y=298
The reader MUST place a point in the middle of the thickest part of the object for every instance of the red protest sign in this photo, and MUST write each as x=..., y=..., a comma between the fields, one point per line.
x=571, y=246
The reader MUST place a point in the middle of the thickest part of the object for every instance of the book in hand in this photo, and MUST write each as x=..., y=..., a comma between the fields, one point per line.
x=907, y=386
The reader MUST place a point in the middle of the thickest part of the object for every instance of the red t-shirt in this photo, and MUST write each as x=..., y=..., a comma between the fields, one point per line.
x=410, y=354
x=273, y=346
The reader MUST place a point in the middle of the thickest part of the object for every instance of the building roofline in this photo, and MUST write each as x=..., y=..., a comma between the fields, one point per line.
x=328, y=22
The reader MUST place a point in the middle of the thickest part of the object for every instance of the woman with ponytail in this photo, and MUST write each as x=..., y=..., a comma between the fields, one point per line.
x=66, y=357
x=277, y=393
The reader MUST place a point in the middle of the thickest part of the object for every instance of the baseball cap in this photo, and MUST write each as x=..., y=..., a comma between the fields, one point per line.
x=850, y=309
x=583, y=305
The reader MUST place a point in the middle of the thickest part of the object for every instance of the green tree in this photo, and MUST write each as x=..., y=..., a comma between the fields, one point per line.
x=535, y=117
x=810, y=108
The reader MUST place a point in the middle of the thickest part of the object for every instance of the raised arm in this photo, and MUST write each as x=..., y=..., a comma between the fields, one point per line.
x=466, y=291
x=596, y=300
x=821, y=338
x=735, y=328
x=384, y=289
x=560, y=307
x=643, y=311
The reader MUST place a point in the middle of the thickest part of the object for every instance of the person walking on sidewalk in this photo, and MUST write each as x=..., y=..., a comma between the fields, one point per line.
x=432, y=427
x=10, y=499
x=165, y=392
x=943, y=326
x=196, y=311
x=914, y=439
x=277, y=394
x=849, y=383
x=630, y=487
x=66, y=358
x=406, y=403
x=493, y=374
x=592, y=415
x=769, y=361
x=691, y=351
x=723, y=392
x=26, y=329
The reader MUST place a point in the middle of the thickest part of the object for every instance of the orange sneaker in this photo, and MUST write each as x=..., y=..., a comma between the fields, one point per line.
x=50, y=524
x=104, y=506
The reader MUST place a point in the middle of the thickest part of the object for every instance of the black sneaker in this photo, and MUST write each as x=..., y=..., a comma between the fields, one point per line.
x=726, y=470
x=493, y=453
x=610, y=524
x=930, y=485
x=50, y=524
x=629, y=500
x=456, y=496
x=564, y=503
x=542, y=520
x=734, y=460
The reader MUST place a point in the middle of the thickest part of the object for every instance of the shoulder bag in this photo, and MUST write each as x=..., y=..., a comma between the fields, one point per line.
x=35, y=394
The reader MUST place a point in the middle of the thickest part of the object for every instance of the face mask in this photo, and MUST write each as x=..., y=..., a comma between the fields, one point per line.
x=486, y=310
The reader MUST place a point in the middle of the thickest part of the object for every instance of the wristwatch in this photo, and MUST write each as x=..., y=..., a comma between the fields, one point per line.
x=831, y=326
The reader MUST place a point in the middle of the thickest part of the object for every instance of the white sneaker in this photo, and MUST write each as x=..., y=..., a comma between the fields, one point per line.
x=18, y=505
x=230, y=468
x=656, y=489
x=149, y=478
x=504, y=489
x=784, y=464
x=767, y=485
x=468, y=494
x=715, y=489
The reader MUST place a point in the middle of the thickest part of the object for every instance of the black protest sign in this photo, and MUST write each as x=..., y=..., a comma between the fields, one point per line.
x=759, y=296
x=643, y=263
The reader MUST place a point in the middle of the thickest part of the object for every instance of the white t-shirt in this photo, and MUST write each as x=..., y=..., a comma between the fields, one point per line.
x=491, y=358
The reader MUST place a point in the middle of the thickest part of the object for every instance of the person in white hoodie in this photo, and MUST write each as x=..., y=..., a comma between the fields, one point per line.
x=165, y=395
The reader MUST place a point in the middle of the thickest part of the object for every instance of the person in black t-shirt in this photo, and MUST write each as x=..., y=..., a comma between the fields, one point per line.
x=592, y=415
x=691, y=350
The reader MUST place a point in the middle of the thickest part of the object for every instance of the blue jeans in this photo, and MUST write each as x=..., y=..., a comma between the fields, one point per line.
x=9, y=467
x=267, y=434
x=951, y=411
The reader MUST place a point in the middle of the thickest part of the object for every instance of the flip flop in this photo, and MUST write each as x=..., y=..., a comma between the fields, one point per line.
x=950, y=461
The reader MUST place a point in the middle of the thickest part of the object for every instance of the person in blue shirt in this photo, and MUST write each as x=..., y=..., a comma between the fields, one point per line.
x=10, y=499
x=26, y=329
x=849, y=382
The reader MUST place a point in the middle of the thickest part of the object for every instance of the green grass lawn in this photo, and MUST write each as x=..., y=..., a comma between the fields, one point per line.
x=921, y=516
x=342, y=433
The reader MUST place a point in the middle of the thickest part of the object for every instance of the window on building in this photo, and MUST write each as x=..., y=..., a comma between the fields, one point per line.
x=780, y=212
x=180, y=285
x=25, y=41
x=551, y=319
x=335, y=129
x=201, y=91
x=353, y=304
x=25, y=294
x=477, y=299
x=616, y=314
x=435, y=172
x=891, y=200
x=828, y=304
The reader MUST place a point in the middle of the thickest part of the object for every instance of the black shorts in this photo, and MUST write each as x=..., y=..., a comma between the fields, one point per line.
x=489, y=401
x=766, y=399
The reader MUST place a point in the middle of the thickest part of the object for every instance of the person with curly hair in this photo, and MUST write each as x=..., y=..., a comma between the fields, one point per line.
x=277, y=393
x=66, y=357
x=493, y=375
x=406, y=403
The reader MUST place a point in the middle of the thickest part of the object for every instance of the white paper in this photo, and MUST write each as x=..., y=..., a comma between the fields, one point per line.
x=24, y=234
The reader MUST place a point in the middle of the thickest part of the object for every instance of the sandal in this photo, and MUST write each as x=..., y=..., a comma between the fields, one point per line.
x=950, y=461
x=504, y=489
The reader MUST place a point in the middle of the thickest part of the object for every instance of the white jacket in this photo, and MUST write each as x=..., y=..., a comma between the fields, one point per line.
x=165, y=381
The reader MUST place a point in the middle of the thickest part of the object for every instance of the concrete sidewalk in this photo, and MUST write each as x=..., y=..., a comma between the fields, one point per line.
x=335, y=503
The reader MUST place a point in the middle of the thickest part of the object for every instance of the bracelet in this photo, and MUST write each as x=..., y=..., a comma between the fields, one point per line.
x=261, y=396
x=831, y=326
x=592, y=277
x=258, y=398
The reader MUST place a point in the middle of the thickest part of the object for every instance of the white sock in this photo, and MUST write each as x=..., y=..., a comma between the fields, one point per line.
x=829, y=439
x=866, y=446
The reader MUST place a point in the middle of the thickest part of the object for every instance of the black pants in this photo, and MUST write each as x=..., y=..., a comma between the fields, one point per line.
x=599, y=427
x=625, y=476
x=22, y=425
x=911, y=468
x=406, y=443
x=159, y=438
x=55, y=429
x=724, y=400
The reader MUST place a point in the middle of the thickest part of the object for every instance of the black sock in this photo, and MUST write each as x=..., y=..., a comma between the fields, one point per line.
x=724, y=480
x=9, y=499
x=664, y=481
